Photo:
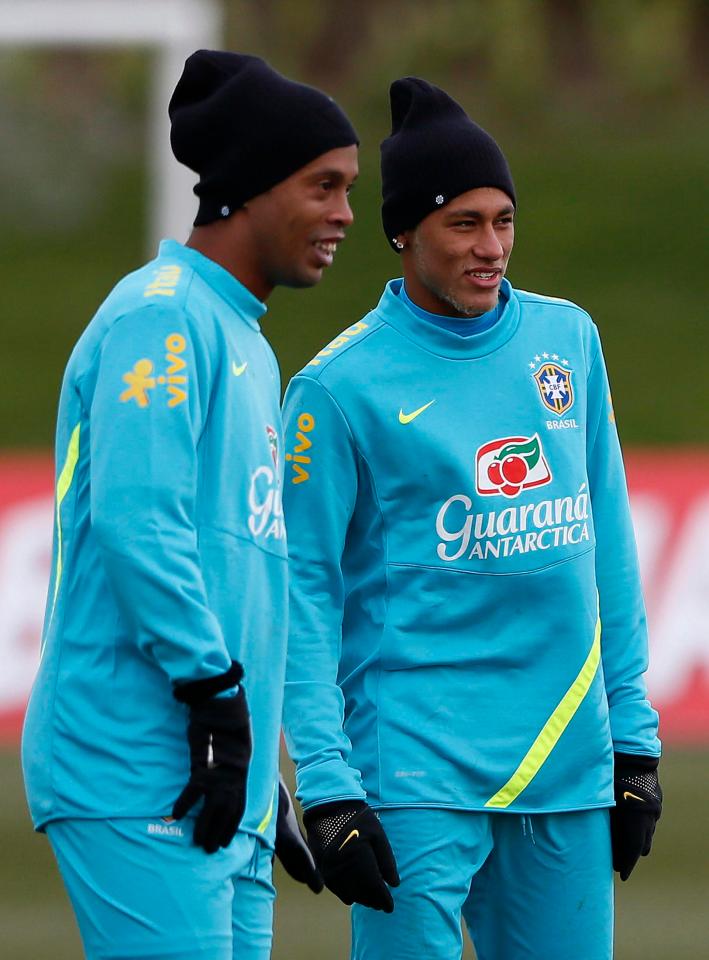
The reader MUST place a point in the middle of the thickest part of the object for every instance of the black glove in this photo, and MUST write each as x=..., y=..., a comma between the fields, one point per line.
x=219, y=737
x=352, y=852
x=291, y=848
x=638, y=799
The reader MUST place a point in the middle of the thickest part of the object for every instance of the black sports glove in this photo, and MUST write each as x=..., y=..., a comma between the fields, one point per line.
x=291, y=848
x=219, y=737
x=352, y=852
x=638, y=799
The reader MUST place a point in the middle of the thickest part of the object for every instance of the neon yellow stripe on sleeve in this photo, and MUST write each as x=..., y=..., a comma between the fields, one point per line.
x=262, y=827
x=63, y=485
x=549, y=735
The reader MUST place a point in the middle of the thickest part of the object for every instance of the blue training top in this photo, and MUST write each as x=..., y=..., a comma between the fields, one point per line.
x=169, y=547
x=456, y=506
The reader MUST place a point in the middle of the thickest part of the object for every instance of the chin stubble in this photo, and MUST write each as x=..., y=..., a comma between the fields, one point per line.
x=445, y=295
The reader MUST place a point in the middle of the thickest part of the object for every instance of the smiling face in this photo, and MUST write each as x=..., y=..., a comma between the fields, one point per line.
x=455, y=259
x=295, y=227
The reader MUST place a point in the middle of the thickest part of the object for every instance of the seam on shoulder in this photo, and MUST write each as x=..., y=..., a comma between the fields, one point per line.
x=188, y=288
x=147, y=307
x=337, y=406
x=524, y=296
x=314, y=370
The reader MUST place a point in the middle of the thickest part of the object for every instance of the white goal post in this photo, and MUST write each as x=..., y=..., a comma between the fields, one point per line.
x=171, y=30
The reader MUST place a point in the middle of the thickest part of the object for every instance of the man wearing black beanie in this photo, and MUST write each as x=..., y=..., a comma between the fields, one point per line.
x=465, y=698
x=150, y=748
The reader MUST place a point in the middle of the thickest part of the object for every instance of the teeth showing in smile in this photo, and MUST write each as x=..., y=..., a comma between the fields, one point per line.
x=326, y=246
x=483, y=275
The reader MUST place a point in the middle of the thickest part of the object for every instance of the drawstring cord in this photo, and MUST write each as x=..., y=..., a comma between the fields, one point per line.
x=526, y=820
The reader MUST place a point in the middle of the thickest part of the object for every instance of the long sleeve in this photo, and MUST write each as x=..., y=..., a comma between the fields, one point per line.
x=147, y=408
x=319, y=496
x=624, y=629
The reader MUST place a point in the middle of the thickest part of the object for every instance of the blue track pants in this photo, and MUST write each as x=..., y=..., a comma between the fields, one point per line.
x=528, y=887
x=141, y=889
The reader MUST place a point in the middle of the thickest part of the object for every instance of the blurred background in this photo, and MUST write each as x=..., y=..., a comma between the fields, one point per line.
x=600, y=106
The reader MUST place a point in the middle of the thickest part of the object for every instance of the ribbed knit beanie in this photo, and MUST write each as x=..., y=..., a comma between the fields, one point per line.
x=244, y=128
x=435, y=153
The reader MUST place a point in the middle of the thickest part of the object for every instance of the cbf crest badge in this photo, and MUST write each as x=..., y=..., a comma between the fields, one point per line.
x=555, y=387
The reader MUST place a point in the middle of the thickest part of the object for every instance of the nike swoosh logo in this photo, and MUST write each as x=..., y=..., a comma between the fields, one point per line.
x=352, y=836
x=237, y=371
x=408, y=417
x=634, y=796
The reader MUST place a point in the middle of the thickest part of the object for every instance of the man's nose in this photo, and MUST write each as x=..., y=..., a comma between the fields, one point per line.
x=342, y=213
x=487, y=245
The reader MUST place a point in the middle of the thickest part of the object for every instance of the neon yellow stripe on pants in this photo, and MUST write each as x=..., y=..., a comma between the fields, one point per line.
x=63, y=485
x=552, y=729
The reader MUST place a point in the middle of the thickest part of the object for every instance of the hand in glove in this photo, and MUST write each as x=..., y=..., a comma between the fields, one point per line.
x=291, y=848
x=352, y=853
x=219, y=737
x=638, y=799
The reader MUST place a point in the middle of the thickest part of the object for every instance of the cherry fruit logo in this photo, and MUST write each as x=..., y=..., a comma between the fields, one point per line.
x=510, y=464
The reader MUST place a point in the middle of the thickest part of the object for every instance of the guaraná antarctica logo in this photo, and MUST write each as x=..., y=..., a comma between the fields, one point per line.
x=505, y=467
x=510, y=464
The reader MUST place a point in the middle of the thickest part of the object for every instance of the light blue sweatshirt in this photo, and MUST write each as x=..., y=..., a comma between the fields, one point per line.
x=169, y=548
x=456, y=506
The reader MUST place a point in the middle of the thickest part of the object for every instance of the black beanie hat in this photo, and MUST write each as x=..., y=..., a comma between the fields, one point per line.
x=435, y=153
x=243, y=128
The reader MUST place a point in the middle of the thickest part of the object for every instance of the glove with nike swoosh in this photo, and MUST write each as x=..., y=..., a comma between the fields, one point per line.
x=638, y=799
x=291, y=848
x=352, y=853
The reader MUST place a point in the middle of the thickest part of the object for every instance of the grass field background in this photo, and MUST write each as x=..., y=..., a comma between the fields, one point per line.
x=662, y=911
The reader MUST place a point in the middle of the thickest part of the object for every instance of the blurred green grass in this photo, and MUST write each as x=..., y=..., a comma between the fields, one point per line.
x=608, y=217
x=660, y=913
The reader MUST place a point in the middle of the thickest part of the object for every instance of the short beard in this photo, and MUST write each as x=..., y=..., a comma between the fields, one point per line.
x=444, y=295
